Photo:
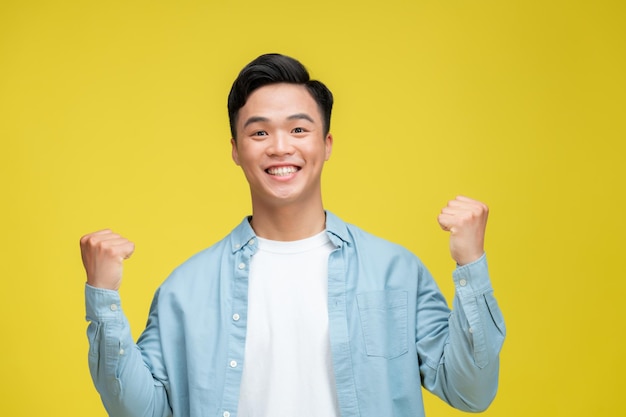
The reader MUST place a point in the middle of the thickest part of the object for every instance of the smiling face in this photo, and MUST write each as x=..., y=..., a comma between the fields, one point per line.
x=281, y=146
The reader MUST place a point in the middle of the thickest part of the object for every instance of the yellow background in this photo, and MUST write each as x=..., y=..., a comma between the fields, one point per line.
x=113, y=114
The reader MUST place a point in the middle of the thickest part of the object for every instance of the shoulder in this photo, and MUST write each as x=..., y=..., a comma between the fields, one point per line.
x=367, y=243
x=197, y=267
x=206, y=266
x=379, y=247
x=204, y=258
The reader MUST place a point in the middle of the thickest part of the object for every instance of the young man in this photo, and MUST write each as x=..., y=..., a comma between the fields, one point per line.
x=295, y=313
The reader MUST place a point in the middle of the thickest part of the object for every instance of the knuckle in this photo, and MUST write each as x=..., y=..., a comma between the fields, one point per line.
x=90, y=241
x=109, y=250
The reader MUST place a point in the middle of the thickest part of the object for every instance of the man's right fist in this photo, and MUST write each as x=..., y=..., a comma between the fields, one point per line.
x=103, y=253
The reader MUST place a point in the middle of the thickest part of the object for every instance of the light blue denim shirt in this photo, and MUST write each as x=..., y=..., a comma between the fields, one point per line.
x=391, y=332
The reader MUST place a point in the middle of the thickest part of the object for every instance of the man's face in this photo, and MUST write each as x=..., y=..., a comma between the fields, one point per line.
x=281, y=145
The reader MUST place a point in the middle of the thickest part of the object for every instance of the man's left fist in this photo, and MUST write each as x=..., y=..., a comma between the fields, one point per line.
x=466, y=220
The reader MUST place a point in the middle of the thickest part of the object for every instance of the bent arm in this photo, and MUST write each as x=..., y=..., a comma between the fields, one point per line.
x=118, y=368
x=459, y=351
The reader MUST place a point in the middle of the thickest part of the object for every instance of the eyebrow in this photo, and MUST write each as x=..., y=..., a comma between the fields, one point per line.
x=255, y=119
x=297, y=116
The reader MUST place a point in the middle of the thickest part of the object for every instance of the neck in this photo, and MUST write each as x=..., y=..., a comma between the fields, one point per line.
x=288, y=223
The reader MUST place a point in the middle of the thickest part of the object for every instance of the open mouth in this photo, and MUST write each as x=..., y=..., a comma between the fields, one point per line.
x=282, y=171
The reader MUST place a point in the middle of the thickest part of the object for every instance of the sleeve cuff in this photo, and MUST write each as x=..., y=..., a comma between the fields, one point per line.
x=102, y=304
x=472, y=278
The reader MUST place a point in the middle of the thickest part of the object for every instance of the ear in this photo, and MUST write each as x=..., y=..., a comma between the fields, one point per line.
x=235, y=153
x=328, y=145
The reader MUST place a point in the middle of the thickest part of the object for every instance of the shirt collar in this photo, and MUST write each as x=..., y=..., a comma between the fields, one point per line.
x=243, y=235
x=337, y=230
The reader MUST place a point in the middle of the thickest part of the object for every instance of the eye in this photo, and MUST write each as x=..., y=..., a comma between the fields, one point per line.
x=298, y=130
x=260, y=133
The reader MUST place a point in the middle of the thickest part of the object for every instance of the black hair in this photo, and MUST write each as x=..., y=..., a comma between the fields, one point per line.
x=273, y=69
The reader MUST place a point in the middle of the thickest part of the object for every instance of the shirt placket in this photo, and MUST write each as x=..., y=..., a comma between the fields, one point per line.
x=339, y=335
x=237, y=329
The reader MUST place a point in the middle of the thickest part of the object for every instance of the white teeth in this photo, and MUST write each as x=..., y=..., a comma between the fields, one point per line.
x=281, y=171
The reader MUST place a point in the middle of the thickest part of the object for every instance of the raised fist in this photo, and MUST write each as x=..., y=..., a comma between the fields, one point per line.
x=103, y=253
x=466, y=220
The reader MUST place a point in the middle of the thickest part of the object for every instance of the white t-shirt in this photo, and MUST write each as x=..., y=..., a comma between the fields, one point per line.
x=287, y=367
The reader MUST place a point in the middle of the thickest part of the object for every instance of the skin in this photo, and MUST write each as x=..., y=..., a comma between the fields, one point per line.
x=280, y=128
x=103, y=253
x=466, y=220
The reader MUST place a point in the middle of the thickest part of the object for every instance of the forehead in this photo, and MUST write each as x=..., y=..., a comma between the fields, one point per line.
x=279, y=101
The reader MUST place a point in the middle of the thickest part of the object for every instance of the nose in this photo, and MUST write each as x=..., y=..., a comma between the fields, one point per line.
x=280, y=144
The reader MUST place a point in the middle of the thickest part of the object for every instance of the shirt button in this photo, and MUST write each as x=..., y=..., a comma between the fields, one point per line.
x=471, y=330
x=226, y=414
x=237, y=246
x=236, y=317
x=251, y=242
x=121, y=351
x=233, y=364
x=463, y=282
x=113, y=307
x=241, y=265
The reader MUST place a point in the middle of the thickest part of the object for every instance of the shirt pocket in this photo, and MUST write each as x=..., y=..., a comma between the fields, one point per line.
x=384, y=322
